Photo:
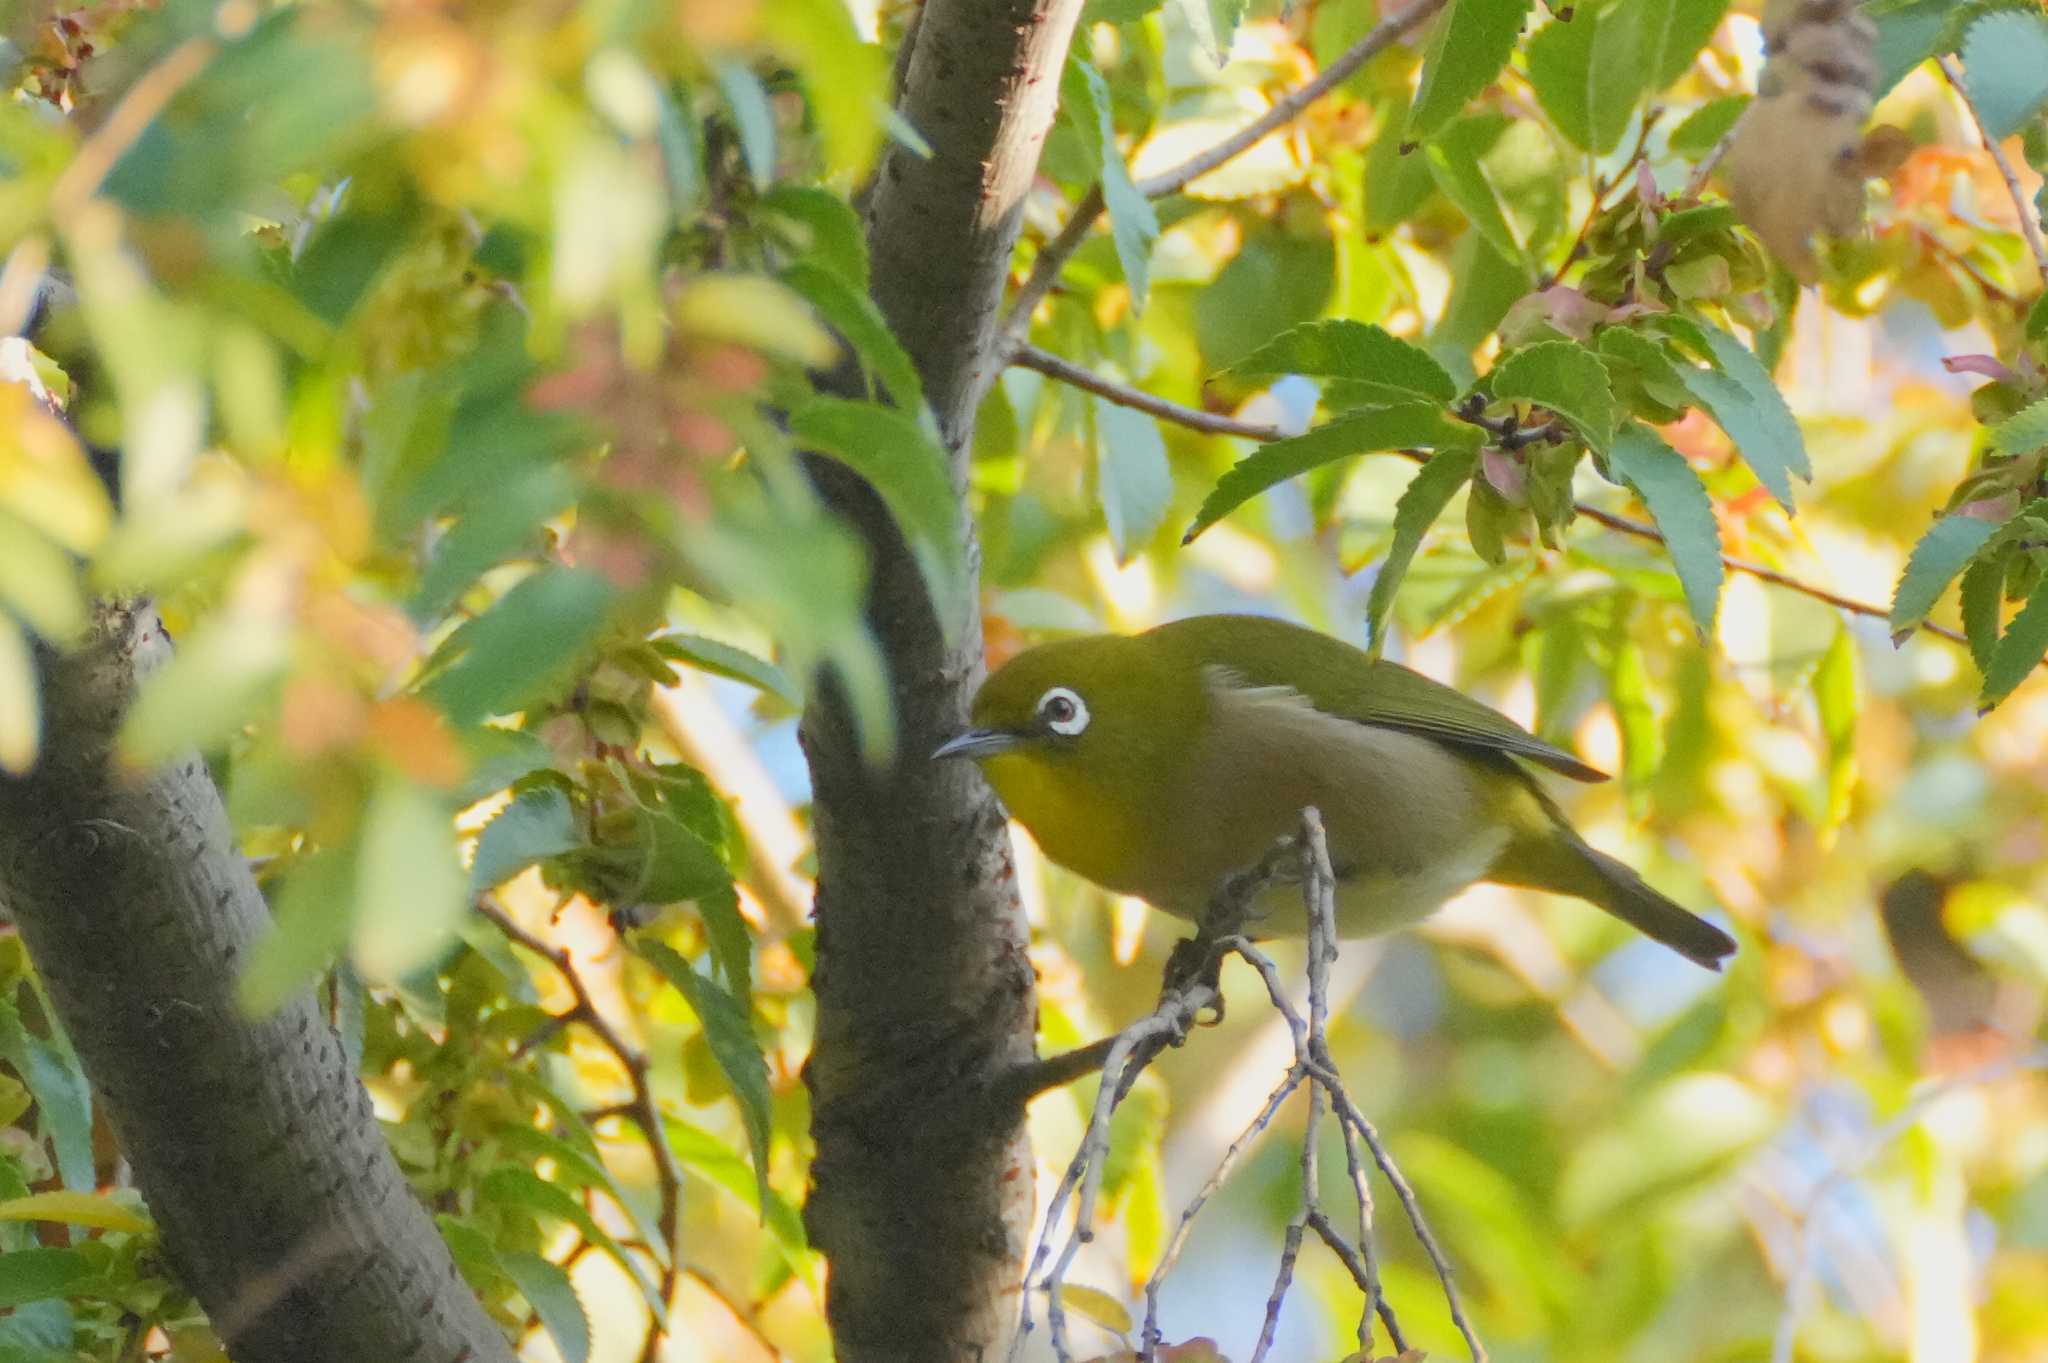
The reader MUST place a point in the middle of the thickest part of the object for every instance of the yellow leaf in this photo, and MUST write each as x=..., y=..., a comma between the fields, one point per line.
x=76, y=1209
x=21, y=713
x=1097, y=1305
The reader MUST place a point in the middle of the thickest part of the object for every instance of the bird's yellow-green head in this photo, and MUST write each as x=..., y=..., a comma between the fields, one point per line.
x=1078, y=736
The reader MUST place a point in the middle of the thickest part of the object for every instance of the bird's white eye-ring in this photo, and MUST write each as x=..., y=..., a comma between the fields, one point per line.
x=1063, y=711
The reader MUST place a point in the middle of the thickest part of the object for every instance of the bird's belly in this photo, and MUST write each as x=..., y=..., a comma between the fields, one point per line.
x=1370, y=902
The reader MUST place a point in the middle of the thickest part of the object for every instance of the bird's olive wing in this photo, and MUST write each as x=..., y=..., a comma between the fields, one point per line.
x=1397, y=698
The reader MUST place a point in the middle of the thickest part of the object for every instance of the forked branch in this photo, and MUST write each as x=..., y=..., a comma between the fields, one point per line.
x=1191, y=989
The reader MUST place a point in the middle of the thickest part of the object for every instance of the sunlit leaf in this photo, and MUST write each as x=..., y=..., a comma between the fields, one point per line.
x=1470, y=45
x=1213, y=23
x=2005, y=62
x=904, y=464
x=522, y=1188
x=1132, y=222
x=210, y=689
x=2019, y=649
x=44, y=478
x=730, y=1033
x=1941, y=553
x=754, y=311
x=1834, y=696
x=1342, y=349
x=522, y=647
x=411, y=893
x=855, y=316
x=1132, y=475
x=2023, y=431
x=537, y=824
x=752, y=117
x=734, y=664
x=28, y=1275
x=1422, y=501
x=1738, y=393
x=21, y=706
x=99, y=1211
x=552, y=1296
x=1097, y=1305
x=63, y=1098
x=717, y=1163
x=1380, y=428
x=1566, y=378
x=1684, y=514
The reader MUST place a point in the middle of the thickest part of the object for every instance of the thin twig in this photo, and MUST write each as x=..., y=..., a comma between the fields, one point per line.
x=1053, y=256
x=1088, y=381
x=642, y=1109
x=2030, y=222
x=1125, y=395
x=1304, y=857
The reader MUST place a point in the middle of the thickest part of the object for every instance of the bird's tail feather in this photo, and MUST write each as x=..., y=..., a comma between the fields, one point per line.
x=1629, y=897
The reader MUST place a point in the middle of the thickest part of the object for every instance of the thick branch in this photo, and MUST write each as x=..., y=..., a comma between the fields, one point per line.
x=921, y=1190
x=252, y=1140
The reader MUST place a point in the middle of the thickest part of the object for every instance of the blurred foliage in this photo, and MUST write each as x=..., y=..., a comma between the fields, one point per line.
x=457, y=355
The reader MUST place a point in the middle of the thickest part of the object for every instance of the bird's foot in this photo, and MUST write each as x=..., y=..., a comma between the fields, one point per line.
x=1195, y=967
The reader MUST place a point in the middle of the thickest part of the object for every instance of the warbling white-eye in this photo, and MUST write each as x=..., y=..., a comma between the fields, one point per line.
x=1156, y=764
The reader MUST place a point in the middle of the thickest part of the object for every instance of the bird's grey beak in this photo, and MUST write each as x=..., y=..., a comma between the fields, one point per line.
x=976, y=743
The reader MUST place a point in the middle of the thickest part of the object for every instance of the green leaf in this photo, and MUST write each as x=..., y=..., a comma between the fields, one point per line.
x=834, y=239
x=211, y=688
x=548, y=1291
x=905, y=465
x=1395, y=185
x=1705, y=126
x=1591, y=74
x=21, y=705
x=854, y=315
x=1214, y=24
x=98, y=1210
x=28, y=1275
x=1456, y=163
x=1566, y=378
x=730, y=1033
x=526, y=645
x=1485, y=284
x=411, y=893
x=539, y=823
x=1739, y=395
x=1133, y=225
x=2024, y=430
x=522, y=1188
x=1274, y=282
x=734, y=664
x=39, y=582
x=1908, y=33
x=1946, y=548
x=1132, y=476
x=752, y=118
x=311, y=922
x=1834, y=695
x=1421, y=502
x=1382, y=364
x=1377, y=428
x=1469, y=47
x=1684, y=514
x=63, y=1097
x=753, y=311
x=2005, y=63
x=2018, y=650
x=494, y=527
x=711, y=1159
x=1982, y=592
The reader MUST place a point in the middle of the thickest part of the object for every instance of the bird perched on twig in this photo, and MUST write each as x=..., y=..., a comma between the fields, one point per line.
x=1156, y=764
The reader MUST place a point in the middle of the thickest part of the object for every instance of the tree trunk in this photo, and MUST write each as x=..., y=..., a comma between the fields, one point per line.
x=921, y=1197
x=278, y=1200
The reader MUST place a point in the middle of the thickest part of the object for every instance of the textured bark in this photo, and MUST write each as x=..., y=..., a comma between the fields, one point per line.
x=278, y=1200
x=922, y=1189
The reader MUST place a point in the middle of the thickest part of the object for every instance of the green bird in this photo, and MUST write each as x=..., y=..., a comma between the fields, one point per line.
x=1156, y=764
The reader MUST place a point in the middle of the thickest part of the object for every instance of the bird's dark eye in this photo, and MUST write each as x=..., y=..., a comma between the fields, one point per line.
x=1063, y=711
